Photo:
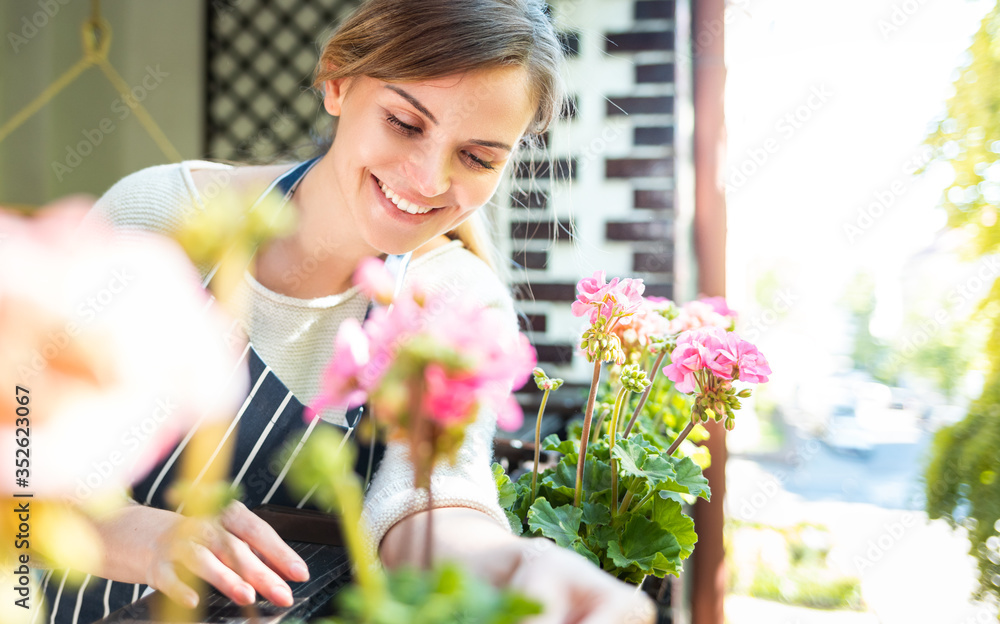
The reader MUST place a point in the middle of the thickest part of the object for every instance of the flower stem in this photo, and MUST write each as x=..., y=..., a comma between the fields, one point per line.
x=538, y=444
x=347, y=489
x=597, y=427
x=680, y=438
x=585, y=434
x=645, y=394
x=612, y=435
x=629, y=495
x=644, y=500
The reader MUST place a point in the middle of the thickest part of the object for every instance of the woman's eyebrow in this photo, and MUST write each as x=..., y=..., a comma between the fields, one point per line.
x=496, y=144
x=412, y=100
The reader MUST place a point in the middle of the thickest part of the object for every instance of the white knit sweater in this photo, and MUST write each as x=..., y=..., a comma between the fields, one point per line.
x=295, y=337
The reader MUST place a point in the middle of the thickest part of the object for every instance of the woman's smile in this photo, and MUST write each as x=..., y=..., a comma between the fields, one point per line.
x=401, y=203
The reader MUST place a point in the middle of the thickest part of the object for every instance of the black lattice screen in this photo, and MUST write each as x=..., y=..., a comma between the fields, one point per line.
x=260, y=59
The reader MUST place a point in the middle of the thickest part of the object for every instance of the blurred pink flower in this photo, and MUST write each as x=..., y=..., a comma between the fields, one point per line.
x=458, y=350
x=698, y=314
x=647, y=323
x=617, y=298
x=117, y=344
x=375, y=280
x=340, y=383
x=720, y=306
x=449, y=398
x=510, y=416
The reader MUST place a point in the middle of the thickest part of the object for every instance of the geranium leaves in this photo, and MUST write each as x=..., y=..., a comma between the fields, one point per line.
x=668, y=515
x=647, y=545
x=689, y=479
x=561, y=524
x=637, y=461
x=506, y=492
x=652, y=535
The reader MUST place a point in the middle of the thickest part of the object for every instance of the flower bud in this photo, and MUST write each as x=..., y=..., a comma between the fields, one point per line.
x=744, y=393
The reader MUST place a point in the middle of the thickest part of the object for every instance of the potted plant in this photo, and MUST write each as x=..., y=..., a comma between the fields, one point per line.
x=618, y=491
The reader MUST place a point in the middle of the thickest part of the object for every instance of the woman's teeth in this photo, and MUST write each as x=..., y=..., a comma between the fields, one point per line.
x=401, y=203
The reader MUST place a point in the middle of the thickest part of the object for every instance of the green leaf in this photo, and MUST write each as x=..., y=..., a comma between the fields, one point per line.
x=663, y=565
x=553, y=443
x=689, y=479
x=595, y=514
x=637, y=461
x=582, y=549
x=505, y=489
x=596, y=477
x=669, y=515
x=516, y=526
x=561, y=524
x=640, y=542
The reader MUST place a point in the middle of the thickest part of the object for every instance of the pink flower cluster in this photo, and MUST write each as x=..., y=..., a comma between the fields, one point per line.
x=708, y=312
x=647, y=323
x=455, y=349
x=619, y=298
x=724, y=354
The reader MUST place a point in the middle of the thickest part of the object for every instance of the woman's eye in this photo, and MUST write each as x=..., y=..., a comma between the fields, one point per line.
x=403, y=127
x=479, y=162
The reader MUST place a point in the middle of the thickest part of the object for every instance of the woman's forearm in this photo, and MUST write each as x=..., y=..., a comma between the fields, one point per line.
x=466, y=536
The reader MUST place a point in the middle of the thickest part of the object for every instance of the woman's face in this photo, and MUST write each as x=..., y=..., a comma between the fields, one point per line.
x=413, y=160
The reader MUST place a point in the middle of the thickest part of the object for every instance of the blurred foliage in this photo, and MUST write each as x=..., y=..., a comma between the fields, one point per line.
x=868, y=352
x=961, y=478
x=789, y=565
x=939, y=354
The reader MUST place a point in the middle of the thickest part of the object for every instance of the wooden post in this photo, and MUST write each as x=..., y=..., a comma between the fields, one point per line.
x=709, y=74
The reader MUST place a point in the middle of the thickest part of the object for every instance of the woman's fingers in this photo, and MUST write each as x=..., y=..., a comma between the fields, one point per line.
x=261, y=538
x=204, y=564
x=223, y=555
x=235, y=554
x=163, y=577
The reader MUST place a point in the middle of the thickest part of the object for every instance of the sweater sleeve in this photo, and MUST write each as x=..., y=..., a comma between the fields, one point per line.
x=469, y=481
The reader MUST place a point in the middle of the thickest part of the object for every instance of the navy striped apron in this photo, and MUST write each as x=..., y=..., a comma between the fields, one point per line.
x=269, y=431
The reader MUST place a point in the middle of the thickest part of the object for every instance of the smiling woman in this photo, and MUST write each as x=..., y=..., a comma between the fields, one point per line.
x=432, y=99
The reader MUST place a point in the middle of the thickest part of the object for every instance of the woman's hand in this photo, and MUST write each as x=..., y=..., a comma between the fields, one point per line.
x=238, y=553
x=573, y=589
x=570, y=588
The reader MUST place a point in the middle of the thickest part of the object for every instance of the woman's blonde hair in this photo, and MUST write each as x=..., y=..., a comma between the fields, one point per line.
x=409, y=41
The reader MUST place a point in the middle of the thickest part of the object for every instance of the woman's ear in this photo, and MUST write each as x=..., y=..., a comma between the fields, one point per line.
x=333, y=95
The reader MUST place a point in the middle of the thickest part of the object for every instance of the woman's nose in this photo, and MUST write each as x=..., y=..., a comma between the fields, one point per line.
x=428, y=170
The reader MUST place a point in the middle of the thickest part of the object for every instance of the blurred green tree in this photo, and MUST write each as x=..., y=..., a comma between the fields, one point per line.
x=961, y=477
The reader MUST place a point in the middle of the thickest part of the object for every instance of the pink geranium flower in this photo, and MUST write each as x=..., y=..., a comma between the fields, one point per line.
x=724, y=354
x=618, y=298
x=696, y=350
